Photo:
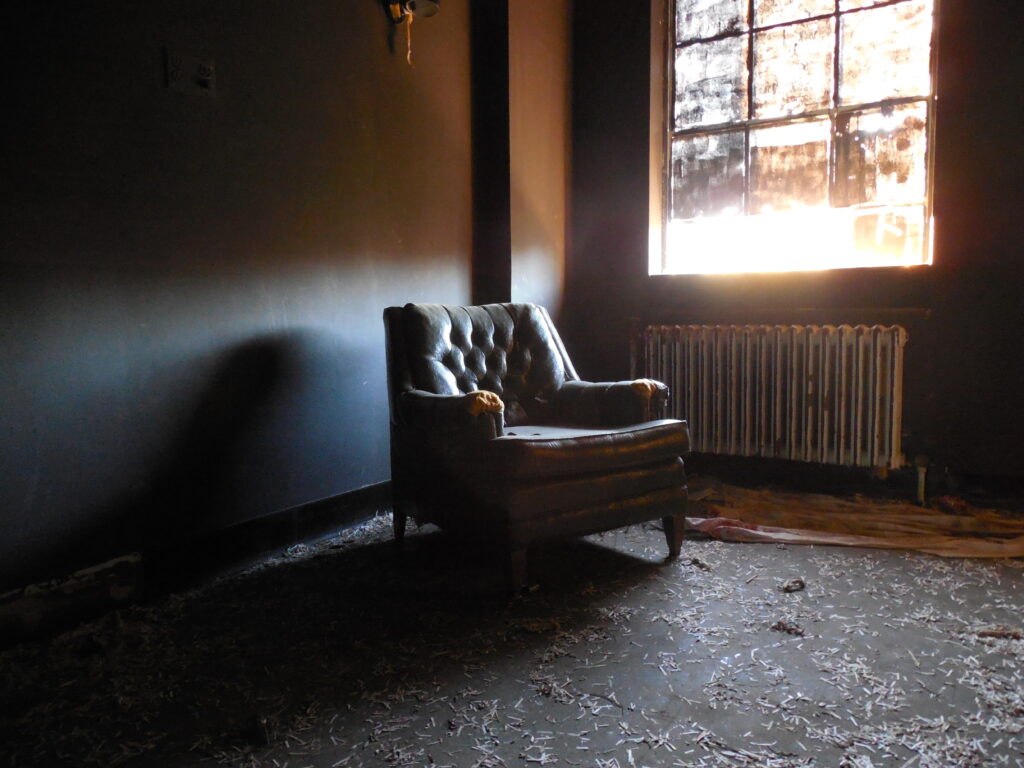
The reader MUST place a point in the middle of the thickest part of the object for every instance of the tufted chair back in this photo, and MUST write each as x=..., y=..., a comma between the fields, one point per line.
x=512, y=350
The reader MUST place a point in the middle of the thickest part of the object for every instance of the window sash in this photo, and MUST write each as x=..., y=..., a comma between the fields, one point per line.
x=834, y=14
x=835, y=111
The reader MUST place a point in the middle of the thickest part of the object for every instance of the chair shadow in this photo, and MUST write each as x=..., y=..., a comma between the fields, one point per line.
x=186, y=490
x=190, y=487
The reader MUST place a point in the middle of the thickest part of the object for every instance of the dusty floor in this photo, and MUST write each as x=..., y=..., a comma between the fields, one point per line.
x=344, y=654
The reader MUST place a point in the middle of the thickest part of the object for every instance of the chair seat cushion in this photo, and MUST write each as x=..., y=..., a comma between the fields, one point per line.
x=542, y=451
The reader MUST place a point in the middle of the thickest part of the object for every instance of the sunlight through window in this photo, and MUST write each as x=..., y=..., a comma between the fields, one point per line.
x=798, y=136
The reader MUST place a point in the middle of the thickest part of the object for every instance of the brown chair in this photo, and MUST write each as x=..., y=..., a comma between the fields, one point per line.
x=495, y=438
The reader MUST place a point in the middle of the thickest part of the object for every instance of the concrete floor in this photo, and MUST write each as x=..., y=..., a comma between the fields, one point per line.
x=344, y=654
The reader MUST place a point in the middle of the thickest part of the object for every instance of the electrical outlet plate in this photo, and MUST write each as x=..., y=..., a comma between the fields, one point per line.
x=188, y=72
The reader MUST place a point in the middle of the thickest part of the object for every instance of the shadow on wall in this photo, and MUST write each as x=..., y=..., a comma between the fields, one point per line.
x=185, y=491
x=179, y=500
x=213, y=465
x=281, y=422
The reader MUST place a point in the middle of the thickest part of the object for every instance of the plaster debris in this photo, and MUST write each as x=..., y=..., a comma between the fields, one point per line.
x=793, y=585
x=350, y=656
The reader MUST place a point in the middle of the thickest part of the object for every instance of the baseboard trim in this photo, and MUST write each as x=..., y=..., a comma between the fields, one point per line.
x=227, y=549
x=51, y=606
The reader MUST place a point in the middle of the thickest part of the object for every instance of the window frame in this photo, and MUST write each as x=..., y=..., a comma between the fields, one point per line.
x=662, y=123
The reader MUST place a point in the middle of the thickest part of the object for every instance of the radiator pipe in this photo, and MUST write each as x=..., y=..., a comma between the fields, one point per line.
x=921, y=462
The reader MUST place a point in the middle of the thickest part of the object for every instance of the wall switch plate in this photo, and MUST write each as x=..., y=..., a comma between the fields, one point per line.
x=188, y=72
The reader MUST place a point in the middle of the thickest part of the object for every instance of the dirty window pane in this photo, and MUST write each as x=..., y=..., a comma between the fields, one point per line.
x=881, y=156
x=777, y=11
x=895, y=232
x=708, y=18
x=788, y=84
x=756, y=182
x=789, y=166
x=707, y=175
x=885, y=53
x=711, y=83
x=846, y=5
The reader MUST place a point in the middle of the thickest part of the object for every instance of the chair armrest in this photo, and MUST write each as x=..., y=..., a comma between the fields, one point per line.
x=476, y=414
x=611, y=403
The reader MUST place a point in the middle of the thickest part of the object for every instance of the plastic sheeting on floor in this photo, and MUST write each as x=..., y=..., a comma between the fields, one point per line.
x=949, y=527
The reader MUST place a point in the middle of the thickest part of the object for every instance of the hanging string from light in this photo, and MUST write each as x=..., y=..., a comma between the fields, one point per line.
x=408, y=37
x=405, y=11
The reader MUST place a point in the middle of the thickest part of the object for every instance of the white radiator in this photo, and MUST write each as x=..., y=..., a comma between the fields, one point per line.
x=806, y=392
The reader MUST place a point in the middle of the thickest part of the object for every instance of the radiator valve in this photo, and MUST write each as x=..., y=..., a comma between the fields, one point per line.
x=921, y=462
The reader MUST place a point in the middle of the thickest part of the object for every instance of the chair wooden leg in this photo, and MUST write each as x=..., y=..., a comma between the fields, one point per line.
x=675, y=532
x=398, y=524
x=515, y=570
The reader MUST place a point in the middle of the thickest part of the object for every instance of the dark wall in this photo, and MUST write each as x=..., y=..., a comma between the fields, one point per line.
x=191, y=285
x=965, y=360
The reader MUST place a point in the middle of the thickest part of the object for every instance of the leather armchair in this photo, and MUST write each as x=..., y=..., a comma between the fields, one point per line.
x=495, y=438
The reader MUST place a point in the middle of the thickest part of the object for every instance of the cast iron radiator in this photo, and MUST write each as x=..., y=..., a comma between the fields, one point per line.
x=819, y=393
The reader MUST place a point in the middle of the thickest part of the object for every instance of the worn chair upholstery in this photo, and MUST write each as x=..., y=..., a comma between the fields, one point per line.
x=494, y=437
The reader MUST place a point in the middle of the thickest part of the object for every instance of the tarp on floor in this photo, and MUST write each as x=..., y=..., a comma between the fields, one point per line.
x=949, y=526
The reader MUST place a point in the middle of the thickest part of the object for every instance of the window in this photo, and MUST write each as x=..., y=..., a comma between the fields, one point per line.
x=797, y=136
